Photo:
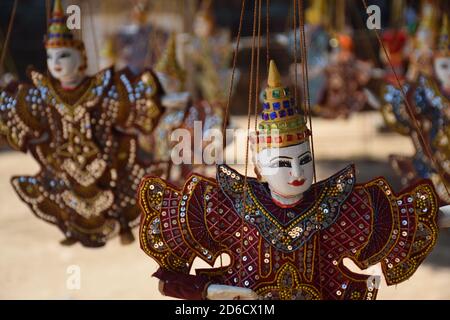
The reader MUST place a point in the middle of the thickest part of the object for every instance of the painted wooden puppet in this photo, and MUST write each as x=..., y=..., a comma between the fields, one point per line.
x=179, y=113
x=82, y=132
x=286, y=237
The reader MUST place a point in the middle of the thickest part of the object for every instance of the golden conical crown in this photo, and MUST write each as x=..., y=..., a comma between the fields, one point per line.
x=282, y=123
x=58, y=34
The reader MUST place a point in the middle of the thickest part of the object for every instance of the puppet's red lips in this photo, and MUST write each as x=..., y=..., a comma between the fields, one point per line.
x=297, y=183
x=58, y=69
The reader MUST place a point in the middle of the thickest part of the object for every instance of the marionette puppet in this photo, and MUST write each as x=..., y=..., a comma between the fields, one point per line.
x=136, y=45
x=428, y=97
x=82, y=132
x=209, y=49
x=286, y=236
x=176, y=101
x=179, y=113
x=408, y=57
x=346, y=77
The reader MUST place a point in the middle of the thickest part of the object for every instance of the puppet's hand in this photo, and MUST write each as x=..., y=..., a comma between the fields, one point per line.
x=221, y=292
x=444, y=217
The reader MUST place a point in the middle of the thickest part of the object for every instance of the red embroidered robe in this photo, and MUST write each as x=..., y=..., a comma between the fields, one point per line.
x=285, y=253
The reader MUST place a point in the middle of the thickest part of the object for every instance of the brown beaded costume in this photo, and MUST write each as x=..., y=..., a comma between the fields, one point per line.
x=288, y=253
x=85, y=143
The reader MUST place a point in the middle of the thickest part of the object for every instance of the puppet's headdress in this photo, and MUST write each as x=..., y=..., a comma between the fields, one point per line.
x=168, y=64
x=282, y=124
x=58, y=34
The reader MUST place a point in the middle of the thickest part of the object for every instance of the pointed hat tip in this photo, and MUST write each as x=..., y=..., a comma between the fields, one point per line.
x=168, y=62
x=57, y=7
x=274, y=79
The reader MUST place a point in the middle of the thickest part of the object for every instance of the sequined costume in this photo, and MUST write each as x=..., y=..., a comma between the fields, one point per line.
x=281, y=250
x=294, y=253
x=84, y=142
x=430, y=107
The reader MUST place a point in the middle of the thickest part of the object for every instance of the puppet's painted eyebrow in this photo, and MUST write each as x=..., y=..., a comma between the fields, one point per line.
x=303, y=154
x=64, y=53
x=280, y=157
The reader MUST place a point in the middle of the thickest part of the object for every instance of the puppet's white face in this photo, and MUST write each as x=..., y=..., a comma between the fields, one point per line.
x=288, y=171
x=64, y=63
x=442, y=69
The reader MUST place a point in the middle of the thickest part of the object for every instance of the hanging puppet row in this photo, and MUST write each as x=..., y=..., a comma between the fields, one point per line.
x=103, y=143
x=95, y=137
x=286, y=237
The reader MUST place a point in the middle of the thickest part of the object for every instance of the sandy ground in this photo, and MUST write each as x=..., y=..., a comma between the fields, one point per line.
x=34, y=266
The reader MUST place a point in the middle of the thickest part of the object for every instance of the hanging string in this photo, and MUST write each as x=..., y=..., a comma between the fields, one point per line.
x=294, y=2
x=307, y=99
x=250, y=97
x=227, y=108
x=150, y=55
x=367, y=44
x=267, y=34
x=8, y=36
x=303, y=62
x=94, y=37
x=307, y=103
x=230, y=89
x=258, y=66
x=410, y=111
x=47, y=11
